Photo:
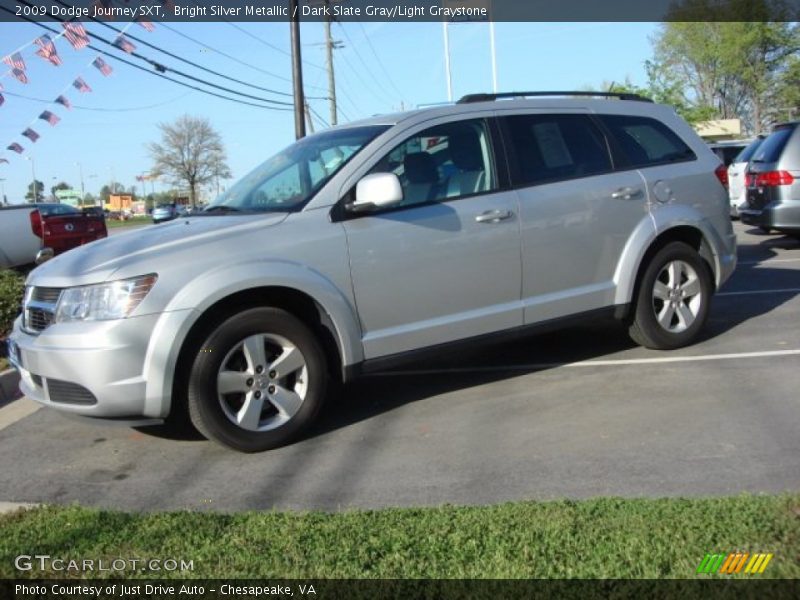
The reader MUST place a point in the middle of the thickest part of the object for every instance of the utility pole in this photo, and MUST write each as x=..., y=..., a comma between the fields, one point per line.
x=308, y=118
x=297, y=73
x=83, y=191
x=330, y=45
x=447, y=62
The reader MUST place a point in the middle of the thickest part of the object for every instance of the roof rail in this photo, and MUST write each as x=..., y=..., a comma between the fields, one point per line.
x=470, y=98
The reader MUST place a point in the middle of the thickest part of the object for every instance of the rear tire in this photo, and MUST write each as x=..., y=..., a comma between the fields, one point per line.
x=258, y=381
x=673, y=299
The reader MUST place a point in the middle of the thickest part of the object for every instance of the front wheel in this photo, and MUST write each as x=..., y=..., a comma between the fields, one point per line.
x=258, y=380
x=673, y=299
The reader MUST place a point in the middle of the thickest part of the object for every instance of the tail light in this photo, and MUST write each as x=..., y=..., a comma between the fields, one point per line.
x=773, y=178
x=36, y=223
x=722, y=174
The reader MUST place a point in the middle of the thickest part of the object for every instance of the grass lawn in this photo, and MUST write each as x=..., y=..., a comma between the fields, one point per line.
x=136, y=221
x=4, y=364
x=605, y=537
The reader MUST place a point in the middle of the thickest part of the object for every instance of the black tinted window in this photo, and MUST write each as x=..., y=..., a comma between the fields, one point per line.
x=553, y=147
x=646, y=141
x=746, y=154
x=770, y=150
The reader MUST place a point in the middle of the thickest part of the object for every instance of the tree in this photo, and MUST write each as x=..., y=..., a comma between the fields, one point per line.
x=190, y=152
x=61, y=185
x=29, y=196
x=724, y=69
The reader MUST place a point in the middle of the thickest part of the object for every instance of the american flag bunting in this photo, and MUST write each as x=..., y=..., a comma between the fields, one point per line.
x=76, y=35
x=47, y=50
x=102, y=66
x=50, y=118
x=15, y=61
x=80, y=85
x=31, y=134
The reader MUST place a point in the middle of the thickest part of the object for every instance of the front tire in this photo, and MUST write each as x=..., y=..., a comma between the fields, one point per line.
x=673, y=299
x=258, y=381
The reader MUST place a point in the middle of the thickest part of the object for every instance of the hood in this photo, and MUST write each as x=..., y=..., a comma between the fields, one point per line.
x=142, y=249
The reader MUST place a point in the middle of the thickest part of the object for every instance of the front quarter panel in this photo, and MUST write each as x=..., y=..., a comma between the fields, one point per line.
x=308, y=255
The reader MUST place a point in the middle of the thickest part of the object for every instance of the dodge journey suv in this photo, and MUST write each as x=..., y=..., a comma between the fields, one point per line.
x=368, y=243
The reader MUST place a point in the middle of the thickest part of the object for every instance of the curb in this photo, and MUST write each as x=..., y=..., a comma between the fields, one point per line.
x=9, y=386
x=10, y=507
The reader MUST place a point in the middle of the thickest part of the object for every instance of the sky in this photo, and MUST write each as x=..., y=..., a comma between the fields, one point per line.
x=381, y=68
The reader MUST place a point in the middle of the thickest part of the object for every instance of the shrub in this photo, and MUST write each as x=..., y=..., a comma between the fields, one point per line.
x=12, y=287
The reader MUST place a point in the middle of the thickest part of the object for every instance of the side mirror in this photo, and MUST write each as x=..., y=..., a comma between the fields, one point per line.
x=378, y=190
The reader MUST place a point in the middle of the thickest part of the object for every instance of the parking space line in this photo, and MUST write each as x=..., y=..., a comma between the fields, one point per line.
x=748, y=292
x=597, y=363
x=16, y=411
x=768, y=261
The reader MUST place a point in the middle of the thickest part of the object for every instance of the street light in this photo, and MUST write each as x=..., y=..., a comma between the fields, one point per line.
x=34, y=195
x=83, y=192
x=2, y=191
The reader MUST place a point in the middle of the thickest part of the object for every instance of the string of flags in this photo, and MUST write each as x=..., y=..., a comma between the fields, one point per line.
x=78, y=38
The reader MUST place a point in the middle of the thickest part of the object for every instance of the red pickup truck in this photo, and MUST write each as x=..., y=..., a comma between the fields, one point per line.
x=30, y=233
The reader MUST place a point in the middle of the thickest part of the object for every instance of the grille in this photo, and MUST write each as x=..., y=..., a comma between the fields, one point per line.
x=46, y=294
x=38, y=319
x=69, y=393
x=39, y=307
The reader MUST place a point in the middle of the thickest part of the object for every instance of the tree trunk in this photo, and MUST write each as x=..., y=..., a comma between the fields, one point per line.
x=192, y=193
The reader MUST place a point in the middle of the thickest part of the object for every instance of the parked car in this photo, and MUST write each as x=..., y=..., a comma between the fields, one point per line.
x=31, y=233
x=773, y=182
x=728, y=150
x=164, y=212
x=367, y=244
x=737, y=191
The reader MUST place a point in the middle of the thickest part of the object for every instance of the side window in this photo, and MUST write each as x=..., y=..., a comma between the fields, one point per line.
x=555, y=147
x=442, y=163
x=646, y=141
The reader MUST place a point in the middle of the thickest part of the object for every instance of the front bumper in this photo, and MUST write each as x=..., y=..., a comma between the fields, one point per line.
x=783, y=216
x=91, y=368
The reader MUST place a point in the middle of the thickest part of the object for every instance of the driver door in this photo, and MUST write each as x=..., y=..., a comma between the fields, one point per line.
x=444, y=264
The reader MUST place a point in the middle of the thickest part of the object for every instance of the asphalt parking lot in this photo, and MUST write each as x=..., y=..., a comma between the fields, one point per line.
x=576, y=414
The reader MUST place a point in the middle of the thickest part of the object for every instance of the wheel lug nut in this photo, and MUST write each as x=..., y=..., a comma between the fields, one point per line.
x=271, y=389
x=259, y=369
x=258, y=395
x=272, y=374
x=249, y=383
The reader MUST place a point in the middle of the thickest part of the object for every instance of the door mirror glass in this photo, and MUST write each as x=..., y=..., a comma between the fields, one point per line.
x=379, y=190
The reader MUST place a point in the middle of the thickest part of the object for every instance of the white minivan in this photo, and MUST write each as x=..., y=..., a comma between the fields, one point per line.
x=737, y=190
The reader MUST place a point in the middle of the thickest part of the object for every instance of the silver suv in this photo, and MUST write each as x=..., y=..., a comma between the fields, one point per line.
x=365, y=244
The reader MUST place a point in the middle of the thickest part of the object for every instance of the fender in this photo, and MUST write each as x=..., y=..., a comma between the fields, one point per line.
x=660, y=220
x=205, y=290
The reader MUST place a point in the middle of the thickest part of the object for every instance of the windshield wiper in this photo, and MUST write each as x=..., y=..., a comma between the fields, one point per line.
x=221, y=208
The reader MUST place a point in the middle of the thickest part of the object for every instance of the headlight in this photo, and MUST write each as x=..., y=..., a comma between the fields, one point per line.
x=113, y=300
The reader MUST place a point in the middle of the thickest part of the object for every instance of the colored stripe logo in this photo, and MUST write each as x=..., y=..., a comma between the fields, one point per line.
x=735, y=562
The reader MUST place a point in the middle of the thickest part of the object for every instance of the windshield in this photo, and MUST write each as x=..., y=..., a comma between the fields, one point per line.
x=288, y=180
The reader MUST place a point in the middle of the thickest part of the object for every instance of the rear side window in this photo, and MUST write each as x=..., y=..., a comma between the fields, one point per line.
x=770, y=150
x=555, y=147
x=646, y=142
x=746, y=154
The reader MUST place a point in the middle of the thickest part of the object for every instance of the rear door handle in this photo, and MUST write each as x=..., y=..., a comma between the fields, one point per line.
x=494, y=216
x=626, y=193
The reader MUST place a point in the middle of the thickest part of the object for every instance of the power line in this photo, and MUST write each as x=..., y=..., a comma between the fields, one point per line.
x=364, y=83
x=268, y=45
x=363, y=62
x=163, y=68
x=148, y=71
x=237, y=60
x=379, y=61
x=129, y=109
x=175, y=56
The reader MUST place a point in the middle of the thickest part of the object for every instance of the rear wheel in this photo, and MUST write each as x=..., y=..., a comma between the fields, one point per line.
x=673, y=299
x=258, y=380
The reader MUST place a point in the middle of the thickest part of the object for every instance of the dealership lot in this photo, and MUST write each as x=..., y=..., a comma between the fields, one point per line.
x=576, y=413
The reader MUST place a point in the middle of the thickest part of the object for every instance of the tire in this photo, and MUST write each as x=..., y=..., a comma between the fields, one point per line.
x=673, y=299
x=275, y=377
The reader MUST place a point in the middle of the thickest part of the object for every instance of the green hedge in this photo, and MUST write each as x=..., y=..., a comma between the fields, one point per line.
x=12, y=286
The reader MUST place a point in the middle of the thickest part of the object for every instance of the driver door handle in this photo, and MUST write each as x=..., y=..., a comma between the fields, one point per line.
x=494, y=216
x=626, y=193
